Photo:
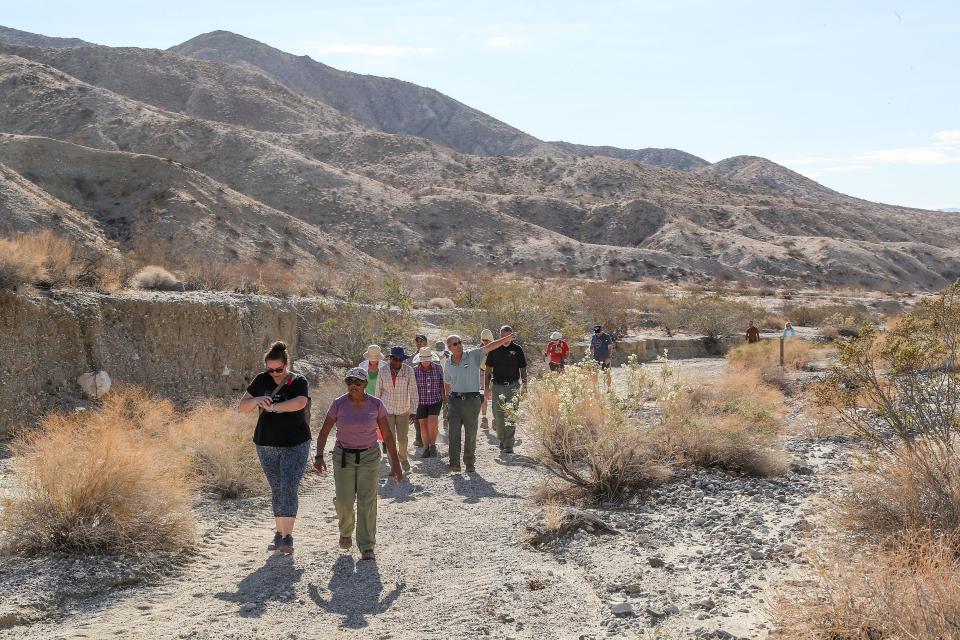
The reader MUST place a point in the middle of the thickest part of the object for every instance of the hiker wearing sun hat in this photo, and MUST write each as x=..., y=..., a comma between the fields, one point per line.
x=420, y=341
x=356, y=460
x=430, y=391
x=397, y=389
x=373, y=357
x=486, y=337
x=557, y=351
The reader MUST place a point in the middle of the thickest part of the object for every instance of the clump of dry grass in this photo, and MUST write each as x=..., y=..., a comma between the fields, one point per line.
x=220, y=456
x=18, y=269
x=441, y=303
x=154, y=278
x=43, y=259
x=104, y=480
x=905, y=591
x=771, y=323
x=585, y=441
x=731, y=423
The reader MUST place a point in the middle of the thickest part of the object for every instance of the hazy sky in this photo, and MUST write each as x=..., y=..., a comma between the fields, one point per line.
x=863, y=96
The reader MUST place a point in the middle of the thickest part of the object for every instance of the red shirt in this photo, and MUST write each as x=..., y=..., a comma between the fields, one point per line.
x=558, y=350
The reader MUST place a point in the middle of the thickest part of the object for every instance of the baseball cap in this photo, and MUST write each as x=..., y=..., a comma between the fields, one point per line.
x=597, y=327
x=356, y=372
x=556, y=335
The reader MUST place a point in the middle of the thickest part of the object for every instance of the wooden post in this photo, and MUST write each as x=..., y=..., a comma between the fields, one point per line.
x=781, y=352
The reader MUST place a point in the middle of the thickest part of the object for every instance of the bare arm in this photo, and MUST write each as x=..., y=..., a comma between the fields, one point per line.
x=248, y=403
x=391, y=443
x=320, y=464
x=291, y=405
x=523, y=376
x=496, y=344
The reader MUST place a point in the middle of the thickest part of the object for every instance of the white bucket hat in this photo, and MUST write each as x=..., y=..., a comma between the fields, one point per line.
x=374, y=353
x=425, y=354
x=556, y=335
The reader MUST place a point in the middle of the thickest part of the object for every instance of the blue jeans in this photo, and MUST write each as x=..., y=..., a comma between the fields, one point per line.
x=284, y=467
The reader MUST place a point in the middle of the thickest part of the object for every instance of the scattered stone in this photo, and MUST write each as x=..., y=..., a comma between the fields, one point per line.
x=622, y=609
x=94, y=385
x=656, y=563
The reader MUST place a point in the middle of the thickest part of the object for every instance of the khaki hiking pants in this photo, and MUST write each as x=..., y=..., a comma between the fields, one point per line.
x=400, y=425
x=357, y=484
x=506, y=429
x=463, y=419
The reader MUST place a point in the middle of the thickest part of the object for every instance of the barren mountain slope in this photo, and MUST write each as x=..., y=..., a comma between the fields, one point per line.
x=670, y=158
x=15, y=36
x=390, y=105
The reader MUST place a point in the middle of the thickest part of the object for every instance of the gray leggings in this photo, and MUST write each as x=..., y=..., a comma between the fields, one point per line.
x=284, y=467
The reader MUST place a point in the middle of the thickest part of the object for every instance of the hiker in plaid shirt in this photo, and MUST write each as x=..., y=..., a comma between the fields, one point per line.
x=397, y=389
x=429, y=375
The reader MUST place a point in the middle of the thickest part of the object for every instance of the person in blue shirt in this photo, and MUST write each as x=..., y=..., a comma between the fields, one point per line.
x=601, y=350
x=789, y=331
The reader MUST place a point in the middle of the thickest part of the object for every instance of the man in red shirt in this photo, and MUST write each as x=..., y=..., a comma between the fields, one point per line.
x=753, y=334
x=557, y=351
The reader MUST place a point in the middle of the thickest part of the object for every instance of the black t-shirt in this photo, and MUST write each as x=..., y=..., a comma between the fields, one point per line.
x=280, y=429
x=506, y=362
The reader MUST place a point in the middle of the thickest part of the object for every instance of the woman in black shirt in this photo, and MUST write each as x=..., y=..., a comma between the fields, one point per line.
x=282, y=436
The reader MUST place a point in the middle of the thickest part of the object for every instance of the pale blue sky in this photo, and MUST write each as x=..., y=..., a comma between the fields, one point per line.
x=863, y=96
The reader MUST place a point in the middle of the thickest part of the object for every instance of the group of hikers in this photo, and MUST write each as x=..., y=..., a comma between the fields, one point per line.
x=383, y=398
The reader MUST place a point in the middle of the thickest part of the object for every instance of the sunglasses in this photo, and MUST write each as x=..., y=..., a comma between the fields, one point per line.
x=455, y=344
x=354, y=382
x=280, y=370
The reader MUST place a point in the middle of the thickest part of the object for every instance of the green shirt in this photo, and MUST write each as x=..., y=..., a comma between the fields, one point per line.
x=372, y=382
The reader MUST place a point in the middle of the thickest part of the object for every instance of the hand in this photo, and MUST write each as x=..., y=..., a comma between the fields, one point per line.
x=264, y=402
x=396, y=473
x=320, y=465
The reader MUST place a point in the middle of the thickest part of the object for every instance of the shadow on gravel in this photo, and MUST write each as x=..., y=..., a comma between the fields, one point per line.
x=405, y=492
x=275, y=580
x=354, y=592
x=516, y=460
x=473, y=487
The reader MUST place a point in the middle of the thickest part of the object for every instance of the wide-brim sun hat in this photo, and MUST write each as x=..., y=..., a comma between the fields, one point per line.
x=374, y=353
x=398, y=352
x=556, y=335
x=486, y=334
x=425, y=355
x=357, y=372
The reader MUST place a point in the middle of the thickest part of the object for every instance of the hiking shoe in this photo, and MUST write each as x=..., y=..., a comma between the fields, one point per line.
x=433, y=451
x=384, y=445
x=346, y=542
x=453, y=468
x=471, y=468
x=426, y=452
x=484, y=423
x=405, y=465
x=508, y=450
x=277, y=541
x=286, y=546
x=368, y=555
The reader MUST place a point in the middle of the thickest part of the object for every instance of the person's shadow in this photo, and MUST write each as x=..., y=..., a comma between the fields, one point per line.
x=473, y=487
x=354, y=592
x=275, y=580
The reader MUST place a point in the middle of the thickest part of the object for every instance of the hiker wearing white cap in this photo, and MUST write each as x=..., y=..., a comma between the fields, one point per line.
x=461, y=378
x=557, y=351
x=356, y=460
x=373, y=357
x=486, y=337
x=430, y=392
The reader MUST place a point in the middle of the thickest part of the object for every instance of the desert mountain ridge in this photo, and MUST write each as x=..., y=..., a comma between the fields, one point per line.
x=263, y=154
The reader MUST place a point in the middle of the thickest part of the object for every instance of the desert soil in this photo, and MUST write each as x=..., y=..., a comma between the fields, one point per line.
x=699, y=559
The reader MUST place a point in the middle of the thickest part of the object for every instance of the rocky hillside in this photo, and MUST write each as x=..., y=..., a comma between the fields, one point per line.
x=148, y=149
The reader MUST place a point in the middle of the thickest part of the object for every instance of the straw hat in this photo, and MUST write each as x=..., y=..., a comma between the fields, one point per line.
x=556, y=335
x=486, y=334
x=374, y=353
x=424, y=355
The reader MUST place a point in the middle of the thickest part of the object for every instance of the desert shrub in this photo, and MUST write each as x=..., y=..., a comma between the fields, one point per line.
x=441, y=303
x=713, y=316
x=901, y=391
x=730, y=423
x=44, y=259
x=764, y=358
x=614, y=307
x=380, y=314
x=100, y=480
x=808, y=316
x=771, y=323
x=584, y=439
x=221, y=459
x=155, y=278
x=533, y=309
x=260, y=279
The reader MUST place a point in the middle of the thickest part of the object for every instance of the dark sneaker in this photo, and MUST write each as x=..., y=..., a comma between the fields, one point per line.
x=405, y=465
x=287, y=545
x=426, y=452
x=471, y=468
x=484, y=423
x=453, y=468
x=345, y=542
x=508, y=450
x=384, y=445
x=277, y=541
x=433, y=451
x=368, y=555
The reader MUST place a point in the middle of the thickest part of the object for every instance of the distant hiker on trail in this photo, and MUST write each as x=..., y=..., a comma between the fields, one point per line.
x=753, y=334
x=557, y=351
x=420, y=341
x=789, y=331
x=441, y=350
x=430, y=391
x=282, y=437
x=356, y=460
x=506, y=370
x=601, y=348
x=486, y=337
x=397, y=389
x=371, y=364
x=461, y=378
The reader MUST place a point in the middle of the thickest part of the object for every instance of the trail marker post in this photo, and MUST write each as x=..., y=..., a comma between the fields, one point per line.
x=781, y=352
